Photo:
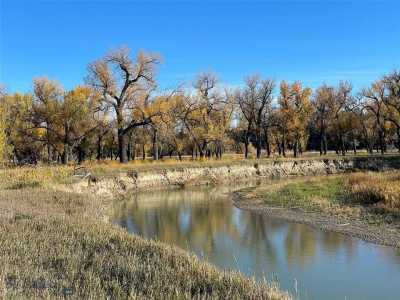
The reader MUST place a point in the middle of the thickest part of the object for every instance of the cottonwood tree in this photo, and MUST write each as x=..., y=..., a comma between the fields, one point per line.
x=223, y=122
x=254, y=102
x=103, y=129
x=392, y=101
x=246, y=103
x=125, y=86
x=76, y=117
x=206, y=100
x=374, y=102
x=205, y=115
x=367, y=123
x=3, y=138
x=284, y=115
x=64, y=117
x=171, y=128
x=48, y=95
x=338, y=107
x=294, y=113
x=323, y=97
x=22, y=140
x=302, y=110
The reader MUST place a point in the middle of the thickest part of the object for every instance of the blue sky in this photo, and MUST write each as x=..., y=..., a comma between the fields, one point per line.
x=311, y=41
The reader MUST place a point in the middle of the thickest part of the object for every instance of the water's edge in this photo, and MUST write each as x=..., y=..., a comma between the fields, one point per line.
x=235, y=172
x=380, y=235
x=205, y=221
x=173, y=177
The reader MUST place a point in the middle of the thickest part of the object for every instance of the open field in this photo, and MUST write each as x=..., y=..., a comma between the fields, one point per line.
x=366, y=205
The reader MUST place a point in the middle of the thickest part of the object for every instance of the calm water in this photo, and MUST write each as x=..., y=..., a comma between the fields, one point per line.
x=319, y=265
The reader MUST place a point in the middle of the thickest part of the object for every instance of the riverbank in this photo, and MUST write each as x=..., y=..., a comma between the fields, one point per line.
x=362, y=205
x=111, y=178
x=102, y=179
x=56, y=244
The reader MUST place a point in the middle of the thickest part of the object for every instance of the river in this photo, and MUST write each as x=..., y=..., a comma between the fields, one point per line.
x=309, y=263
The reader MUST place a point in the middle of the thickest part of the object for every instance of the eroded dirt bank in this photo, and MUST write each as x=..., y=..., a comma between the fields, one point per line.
x=134, y=180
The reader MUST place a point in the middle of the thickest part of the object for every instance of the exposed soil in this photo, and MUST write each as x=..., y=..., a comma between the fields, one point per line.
x=134, y=180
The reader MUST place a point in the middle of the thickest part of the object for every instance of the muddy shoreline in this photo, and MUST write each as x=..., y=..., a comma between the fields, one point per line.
x=385, y=235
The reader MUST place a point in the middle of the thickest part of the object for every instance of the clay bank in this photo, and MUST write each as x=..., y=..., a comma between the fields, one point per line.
x=234, y=171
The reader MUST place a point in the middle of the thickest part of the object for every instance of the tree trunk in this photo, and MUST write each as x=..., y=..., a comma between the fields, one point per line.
x=122, y=146
x=155, y=145
x=354, y=146
x=295, y=148
x=325, y=147
x=341, y=143
x=99, y=147
x=398, y=138
x=258, y=134
x=267, y=145
x=65, y=157
x=201, y=153
x=246, y=148
x=81, y=155
x=283, y=144
x=143, y=151
x=122, y=137
x=381, y=141
x=129, y=150
x=49, y=153
x=133, y=154
x=323, y=142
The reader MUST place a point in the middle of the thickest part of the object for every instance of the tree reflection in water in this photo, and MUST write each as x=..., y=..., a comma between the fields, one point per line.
x=203, y=220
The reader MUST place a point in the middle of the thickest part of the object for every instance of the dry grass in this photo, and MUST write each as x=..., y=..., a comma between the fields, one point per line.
x=29, y=177
x=372, y=197
x=57, y=245
x=379, y=189
x=86, y=260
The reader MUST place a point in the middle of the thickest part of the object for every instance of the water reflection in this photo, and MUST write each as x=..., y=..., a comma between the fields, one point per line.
x=204, y=221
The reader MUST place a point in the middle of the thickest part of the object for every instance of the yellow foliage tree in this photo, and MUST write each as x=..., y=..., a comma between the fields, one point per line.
x=3, y=140
x=294, y=113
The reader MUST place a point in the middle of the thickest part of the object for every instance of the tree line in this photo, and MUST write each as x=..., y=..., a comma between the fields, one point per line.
x=119, y=113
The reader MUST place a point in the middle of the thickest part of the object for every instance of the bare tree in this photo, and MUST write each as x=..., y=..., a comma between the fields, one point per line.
x=254, y=102
x=323, y=96
x=125, y=86
x=340, y=103
x=374, y=101
x=392, y=101
x=246, y=103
